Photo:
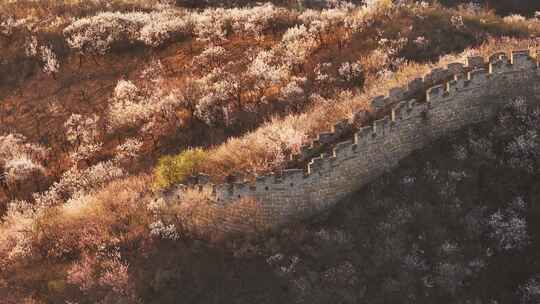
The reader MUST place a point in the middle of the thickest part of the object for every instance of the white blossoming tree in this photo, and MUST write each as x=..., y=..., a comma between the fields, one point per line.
x=21, y=164
x=509, y=226
x=83, y=135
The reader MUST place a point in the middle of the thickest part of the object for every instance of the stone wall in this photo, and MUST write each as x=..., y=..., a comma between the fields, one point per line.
x=475, y=93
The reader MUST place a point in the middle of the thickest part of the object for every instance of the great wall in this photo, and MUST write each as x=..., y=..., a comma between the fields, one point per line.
x=476, y=91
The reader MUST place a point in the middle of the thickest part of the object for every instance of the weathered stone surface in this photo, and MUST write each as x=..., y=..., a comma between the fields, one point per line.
x=295, y=194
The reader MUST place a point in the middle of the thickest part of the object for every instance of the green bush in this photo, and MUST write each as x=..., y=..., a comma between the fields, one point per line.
x=175, y=169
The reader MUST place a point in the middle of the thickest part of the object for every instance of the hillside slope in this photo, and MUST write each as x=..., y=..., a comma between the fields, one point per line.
x=456, y=222
x=201, y=77
x=105, y=105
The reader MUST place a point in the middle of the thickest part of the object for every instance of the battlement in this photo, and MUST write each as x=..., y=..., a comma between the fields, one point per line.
x=415, y=87
x=456, y=96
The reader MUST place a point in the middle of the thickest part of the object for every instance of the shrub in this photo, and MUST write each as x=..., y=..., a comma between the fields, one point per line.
x=21, y=168
x=23, y=165
x=298, y=43
x=151, y=109
x=530, y=291
x=99, y=33
x=175, y=169
x=509, y=226
x=128, y=106
x=514, y=19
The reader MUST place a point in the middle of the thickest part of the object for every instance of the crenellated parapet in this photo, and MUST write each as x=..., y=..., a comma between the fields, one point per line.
x=456, y=96
x=416, y=87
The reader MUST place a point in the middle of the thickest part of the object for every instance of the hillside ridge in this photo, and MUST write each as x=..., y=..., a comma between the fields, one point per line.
x=293, y=194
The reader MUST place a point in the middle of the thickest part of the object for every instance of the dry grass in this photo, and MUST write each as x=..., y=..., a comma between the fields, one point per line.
x=45, y=9
x=41, y=249
x=263, y=150
x=114, y=214
x=38, y=247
